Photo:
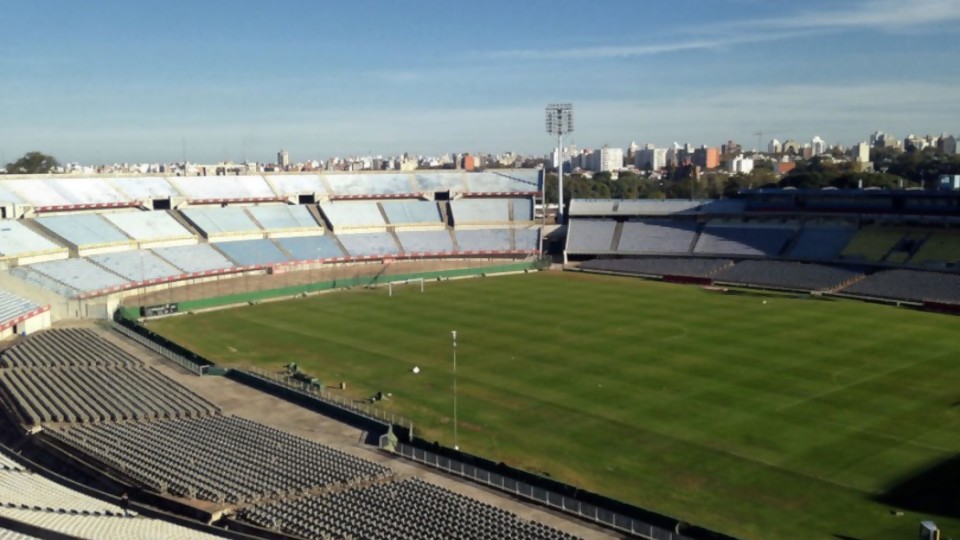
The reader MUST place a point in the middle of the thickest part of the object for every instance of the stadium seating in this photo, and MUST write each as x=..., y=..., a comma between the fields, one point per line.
x=33, y=277
x=515, y=181
x=787, y=275
x=66, y=347
x=18, y=241
x=666, y=266
x=526, y=239
x=365, y=185
x=102, y=527
x=85, y=230
x=252, y=252
x=288, y=185
x=410, y=509
x=873, y=243
x=62, y=193
x=359, y=215
x=284, y=219
x=406, y=213
x=909, y=285
x=442, y=181
x=194, y=259
x=216, y=458
x=13, y=306
x=589, y=236
x=822, y=241
x=483, y=211
x=137, y=266
x=145, y=188
x=737, y=238
x=76, y=275
x=939, y=249
x=426, y=241
x=206, y=189
x=149, y=227
x=657, y=236
x=484, y=240
x=308, y=248
x=222, y=222
x=369, y=244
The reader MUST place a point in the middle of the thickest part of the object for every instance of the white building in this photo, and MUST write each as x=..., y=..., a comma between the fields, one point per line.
x=861, y=153
x=607, y=159
x=741, y=165
x=818, y=146
x=774, y=147
x=283, y=159
x=650, y=157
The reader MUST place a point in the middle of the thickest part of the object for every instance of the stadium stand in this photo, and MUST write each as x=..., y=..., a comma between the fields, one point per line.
x=677, y=266
x=309, y=248
x=33, y=277
x=103, y=527
x=589, y=236
x=359, y=215
x=412, y=213
x=909, y=285
x=195, y=259
x=367, y=185
x=873, y=243
x=443, y=181
x=93, y=394
x=939, y=249
x=285, y=219
x=289, y=185
x=227, y=222
x=787, y=275
x=526, y=239
x=480, y=211
x=502, y=183
x=137, y=266
x=822, y=241
x=145, y=188
x=218, y=458
x=411, y=509
x=26, y=246
x=739, y=238
x=21, y=488
x=66, y=347
x=252, y=252
x=55, y=194
x=656, y=236
x=77, y=276
x=13, y=306
x=484, y=240
x=219, y=189
x=426, y=241
x=369, y=244
x=87, y=232
x=151, y=228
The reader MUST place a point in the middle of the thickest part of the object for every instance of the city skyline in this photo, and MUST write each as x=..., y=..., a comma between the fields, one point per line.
x=234, y=80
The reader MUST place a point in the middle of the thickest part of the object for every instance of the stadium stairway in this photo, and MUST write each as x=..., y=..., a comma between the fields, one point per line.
x=617, y=233
x=183, y=221
x=791, y=243
x=255, y=221
x=383, y=213
x=445, y=213
x=49, y=235
x=510, y=211
x=315, y=212
x=453, y=238
x=696, y=237
x=393, y=232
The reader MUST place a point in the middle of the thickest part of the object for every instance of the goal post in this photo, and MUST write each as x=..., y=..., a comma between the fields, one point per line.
x=413, y=281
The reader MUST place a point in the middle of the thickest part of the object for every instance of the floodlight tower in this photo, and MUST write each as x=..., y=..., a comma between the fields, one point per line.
x=559, y=120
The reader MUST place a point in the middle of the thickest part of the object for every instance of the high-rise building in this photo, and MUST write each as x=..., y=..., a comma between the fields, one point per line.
x=861, y=153
x=731, y=148
x=774, y=147
x=741, y=165
x=706, y=158
x=650, y=158
x=607, y=159
x=283, y=159
x=818, y=146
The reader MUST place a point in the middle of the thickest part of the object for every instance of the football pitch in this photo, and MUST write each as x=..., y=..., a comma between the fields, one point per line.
x=757, y=415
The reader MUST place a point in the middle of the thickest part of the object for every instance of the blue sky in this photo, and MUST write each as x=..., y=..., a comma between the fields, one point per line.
x=110, y=81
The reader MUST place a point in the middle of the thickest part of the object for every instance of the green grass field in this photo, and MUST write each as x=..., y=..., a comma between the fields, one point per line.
x=780, y=420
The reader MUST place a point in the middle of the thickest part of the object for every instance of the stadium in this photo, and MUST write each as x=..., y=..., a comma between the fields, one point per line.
x=419, y=355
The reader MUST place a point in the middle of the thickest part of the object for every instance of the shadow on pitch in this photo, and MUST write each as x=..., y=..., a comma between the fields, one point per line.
x=932, y=491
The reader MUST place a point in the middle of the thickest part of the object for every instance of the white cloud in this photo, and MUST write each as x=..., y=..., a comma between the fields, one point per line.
x=878, y=14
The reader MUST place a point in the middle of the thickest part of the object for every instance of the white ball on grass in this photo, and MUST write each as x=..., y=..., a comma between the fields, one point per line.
x=764, y=302
x=416, y=369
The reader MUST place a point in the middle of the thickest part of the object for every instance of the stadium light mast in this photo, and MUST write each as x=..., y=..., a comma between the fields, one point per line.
x=453, y=335
x=559, y=120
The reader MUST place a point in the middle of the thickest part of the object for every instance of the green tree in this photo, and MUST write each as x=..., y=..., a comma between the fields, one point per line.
x=33, y=163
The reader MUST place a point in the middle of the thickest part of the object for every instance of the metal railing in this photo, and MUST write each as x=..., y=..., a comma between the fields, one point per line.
x=331, y=398
x=550, y=499
x=178, y=359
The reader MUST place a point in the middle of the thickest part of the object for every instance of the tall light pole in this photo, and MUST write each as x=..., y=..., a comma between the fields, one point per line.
x=456, y=445
x=559, y=120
